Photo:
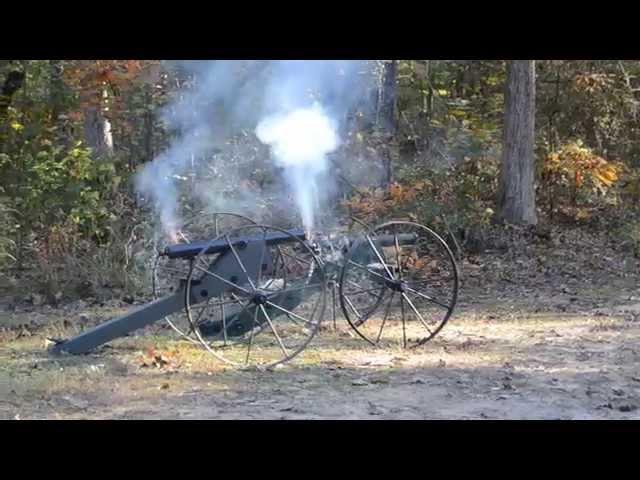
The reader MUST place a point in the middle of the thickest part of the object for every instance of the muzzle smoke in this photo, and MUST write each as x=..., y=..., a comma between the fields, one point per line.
x=297, y=108
x=300, y=141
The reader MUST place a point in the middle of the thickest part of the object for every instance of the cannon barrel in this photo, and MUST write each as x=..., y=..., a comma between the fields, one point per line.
x=190, y=250
x=386, y=240
x=389, y=240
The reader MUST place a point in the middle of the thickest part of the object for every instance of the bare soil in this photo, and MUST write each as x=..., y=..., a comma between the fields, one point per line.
x=529, y=366
x=544, y=334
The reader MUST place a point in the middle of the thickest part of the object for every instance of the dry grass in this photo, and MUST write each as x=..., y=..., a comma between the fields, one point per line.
x=157, y=376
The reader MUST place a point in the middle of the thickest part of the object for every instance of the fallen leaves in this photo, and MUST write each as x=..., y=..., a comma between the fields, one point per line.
x=160, y=360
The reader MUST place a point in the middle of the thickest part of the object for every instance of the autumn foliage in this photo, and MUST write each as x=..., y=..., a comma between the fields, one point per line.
x=575, y=170
x=373, y=204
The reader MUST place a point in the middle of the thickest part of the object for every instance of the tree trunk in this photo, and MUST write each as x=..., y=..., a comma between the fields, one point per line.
x=13, y=82
x=517, y=202
x=148, y=125
x=97, y=131
x=389, y=95
x=56, y=88
x=388, y=118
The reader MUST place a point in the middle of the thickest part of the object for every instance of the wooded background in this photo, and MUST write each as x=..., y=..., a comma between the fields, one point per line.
x=469, y=147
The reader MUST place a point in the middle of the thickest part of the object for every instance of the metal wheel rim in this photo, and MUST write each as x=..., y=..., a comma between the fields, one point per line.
x=454, y=268
x=187, y=335
x=301, y=347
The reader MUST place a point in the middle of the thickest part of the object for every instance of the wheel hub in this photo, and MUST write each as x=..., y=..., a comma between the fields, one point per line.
x=395, y=285
x=259, y=299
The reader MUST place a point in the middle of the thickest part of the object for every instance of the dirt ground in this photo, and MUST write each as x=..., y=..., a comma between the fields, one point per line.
x=484, y=365
x=540, y=333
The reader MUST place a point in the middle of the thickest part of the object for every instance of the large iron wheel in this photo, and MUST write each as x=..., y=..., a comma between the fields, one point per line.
x=170, y=275
x=267, y=314
x=334, y=259
x=409, y=267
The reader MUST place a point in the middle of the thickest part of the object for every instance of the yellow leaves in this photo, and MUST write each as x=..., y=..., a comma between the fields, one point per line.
x=592, y=82
x=607, y=176
x=576, y=162
x=402, y=193
x=396, y=191
x=17, y=126
x=582, y=214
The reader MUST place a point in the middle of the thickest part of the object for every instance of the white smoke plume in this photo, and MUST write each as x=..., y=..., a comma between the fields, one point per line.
x=301, y=140
x=297, y=107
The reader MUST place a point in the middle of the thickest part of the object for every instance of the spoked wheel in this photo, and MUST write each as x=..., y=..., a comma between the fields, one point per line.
x=273, y=298
x=170, y=275
x=334, y=260
x=399, y=284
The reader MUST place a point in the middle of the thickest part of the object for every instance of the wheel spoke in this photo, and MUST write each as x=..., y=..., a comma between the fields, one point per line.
x=275, y=333
x=202, y=309
x=386, y=314
x=352, y=306
x=428, y=298
x=333, y=305
x=225, y=325
x=404, y=323
x=284, y=310
x=362, y=267
x=264, y=248
x=397, y=249
x=294, y=289
x=377, y=289
x=240, y=264
x=298, y=259
x=223, y=280
x=375, y=250
x=255, y=316
x=415, y=310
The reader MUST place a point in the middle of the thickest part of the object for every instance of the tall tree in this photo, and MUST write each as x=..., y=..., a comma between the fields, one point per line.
x=100, y=84
x=516, y=199
x=97, y=130
x=387, y=118
x=56, y=87
x=388, y=97
x=12, y=83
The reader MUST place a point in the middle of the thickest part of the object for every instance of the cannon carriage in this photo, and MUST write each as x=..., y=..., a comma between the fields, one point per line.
x=255, y=295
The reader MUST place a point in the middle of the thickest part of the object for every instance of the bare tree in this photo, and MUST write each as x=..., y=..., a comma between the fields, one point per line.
x=516, y=200
x=12, y=83
x=97, y=130
x=387, y=114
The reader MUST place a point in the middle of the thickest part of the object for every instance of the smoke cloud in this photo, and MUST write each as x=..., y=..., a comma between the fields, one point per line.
x=298, y=108
x=300, y=141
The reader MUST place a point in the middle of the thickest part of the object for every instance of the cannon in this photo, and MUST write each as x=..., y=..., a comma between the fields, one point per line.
x=256, y=295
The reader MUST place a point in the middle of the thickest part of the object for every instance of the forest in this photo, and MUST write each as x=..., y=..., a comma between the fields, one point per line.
x=529, y=171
